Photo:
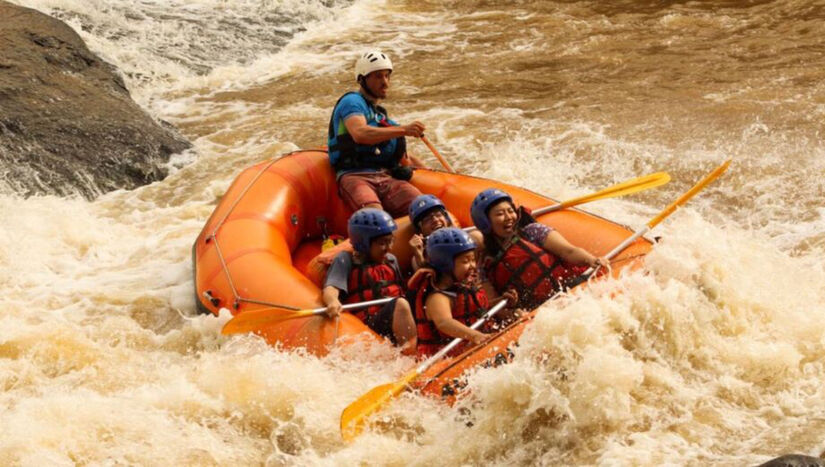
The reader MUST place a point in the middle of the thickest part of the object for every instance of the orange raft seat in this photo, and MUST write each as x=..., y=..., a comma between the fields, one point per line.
x=261, y=247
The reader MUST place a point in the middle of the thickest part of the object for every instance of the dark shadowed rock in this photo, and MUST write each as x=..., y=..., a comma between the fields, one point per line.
x=67, y=122
x=794, y=460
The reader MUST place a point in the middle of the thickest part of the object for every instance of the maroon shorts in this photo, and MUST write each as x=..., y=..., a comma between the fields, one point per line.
x=361, y=189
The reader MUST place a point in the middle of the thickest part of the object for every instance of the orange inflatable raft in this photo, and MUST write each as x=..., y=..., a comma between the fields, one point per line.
x=257, y=249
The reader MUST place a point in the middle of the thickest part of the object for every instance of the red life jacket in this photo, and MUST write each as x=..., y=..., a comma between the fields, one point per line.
x=370, y=281
x=467, y=306
x=534, y=273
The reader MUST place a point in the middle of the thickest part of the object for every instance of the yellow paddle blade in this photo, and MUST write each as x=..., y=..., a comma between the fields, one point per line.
x=254, y=320
x=621, y=189
x=689, y=194
x=354, y=416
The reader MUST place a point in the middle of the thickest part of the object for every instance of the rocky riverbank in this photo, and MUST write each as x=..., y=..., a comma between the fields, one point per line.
x=67, y=122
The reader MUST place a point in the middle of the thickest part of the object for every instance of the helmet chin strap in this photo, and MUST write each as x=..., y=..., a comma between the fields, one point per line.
x=362, y=81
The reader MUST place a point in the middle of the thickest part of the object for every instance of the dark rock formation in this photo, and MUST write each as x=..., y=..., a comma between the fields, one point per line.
x=67, y=122
x=794, y=460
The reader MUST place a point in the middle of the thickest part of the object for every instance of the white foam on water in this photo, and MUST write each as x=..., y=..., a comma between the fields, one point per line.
x=712, y=354
x=160, y=45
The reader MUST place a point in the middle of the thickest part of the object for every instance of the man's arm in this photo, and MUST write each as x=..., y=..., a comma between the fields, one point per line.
x=365, y=134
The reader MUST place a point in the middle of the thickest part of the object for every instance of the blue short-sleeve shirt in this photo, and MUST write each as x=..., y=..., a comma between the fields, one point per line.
x=355, y=104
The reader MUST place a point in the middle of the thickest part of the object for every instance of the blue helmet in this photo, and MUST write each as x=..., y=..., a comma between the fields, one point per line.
x=423, y=204
x=366, y=224
x=444, y=245
x=481, y=207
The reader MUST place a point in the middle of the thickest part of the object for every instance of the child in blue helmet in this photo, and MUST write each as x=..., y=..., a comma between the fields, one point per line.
x=449, y=298
x=523, y=254
x=427, y=214
x=371, y=272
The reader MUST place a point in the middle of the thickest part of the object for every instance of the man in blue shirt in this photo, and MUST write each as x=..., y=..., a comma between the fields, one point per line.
x=367, y=149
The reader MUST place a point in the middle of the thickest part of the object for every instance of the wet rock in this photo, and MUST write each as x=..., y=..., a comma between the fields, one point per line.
x=794, y=460
x=67, y=122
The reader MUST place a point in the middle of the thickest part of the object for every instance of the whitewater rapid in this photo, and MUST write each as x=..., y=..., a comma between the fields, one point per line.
x=712, y=354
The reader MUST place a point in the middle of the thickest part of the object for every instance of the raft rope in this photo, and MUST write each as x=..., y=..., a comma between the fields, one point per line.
x=240, y=197
x=214, y=237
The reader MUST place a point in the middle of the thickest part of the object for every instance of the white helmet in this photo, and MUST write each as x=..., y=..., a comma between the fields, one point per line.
x=373, y=60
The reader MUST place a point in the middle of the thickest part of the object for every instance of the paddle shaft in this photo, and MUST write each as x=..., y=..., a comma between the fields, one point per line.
x=546, y=209
x=351, y=306
x=620, y=189
x=441, y=353
x=437, y=155
x=689, y=194
x=552, y=208
x=256, y=319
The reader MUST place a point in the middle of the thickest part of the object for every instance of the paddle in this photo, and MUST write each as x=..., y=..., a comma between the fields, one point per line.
x=437, y=155
x=625, y=188
x=254, y=320
x=353, y=416
x=659, y=218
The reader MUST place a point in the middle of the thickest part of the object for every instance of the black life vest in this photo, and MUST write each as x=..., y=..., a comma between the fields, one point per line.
x=467, y=306
x=346, y=154
x=370, y=281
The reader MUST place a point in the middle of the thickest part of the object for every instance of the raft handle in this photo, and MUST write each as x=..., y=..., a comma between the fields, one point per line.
x=215, y=301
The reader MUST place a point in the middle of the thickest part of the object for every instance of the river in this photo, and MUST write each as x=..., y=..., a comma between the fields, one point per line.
x=715, y=354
